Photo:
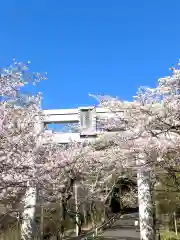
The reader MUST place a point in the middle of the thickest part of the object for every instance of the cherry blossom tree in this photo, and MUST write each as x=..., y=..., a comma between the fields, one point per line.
x=149, y=137
x=18, y=140
x=65, y=167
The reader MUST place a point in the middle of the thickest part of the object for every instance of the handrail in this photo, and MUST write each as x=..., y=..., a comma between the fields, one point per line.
x=102, y=227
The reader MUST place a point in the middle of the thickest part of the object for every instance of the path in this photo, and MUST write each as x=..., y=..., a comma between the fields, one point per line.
x=122, y=229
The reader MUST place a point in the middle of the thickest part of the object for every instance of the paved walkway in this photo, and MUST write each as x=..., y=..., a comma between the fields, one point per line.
x=123, y=229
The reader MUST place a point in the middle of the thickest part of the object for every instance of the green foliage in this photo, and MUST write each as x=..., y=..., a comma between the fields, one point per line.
x=167, y=201
x=169, y=235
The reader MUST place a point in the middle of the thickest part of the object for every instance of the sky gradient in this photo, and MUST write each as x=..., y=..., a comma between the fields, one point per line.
x=106, y=47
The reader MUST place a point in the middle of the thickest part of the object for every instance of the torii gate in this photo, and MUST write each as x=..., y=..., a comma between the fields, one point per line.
x=87, y=118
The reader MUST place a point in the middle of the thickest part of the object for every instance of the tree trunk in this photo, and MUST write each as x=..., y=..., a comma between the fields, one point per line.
x=85, y=215
x=93, y=214
x=42, y=223
x=76, y=208
x=62, y=218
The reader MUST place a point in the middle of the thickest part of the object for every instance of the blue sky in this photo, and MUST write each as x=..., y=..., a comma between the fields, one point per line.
x=96, y=46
